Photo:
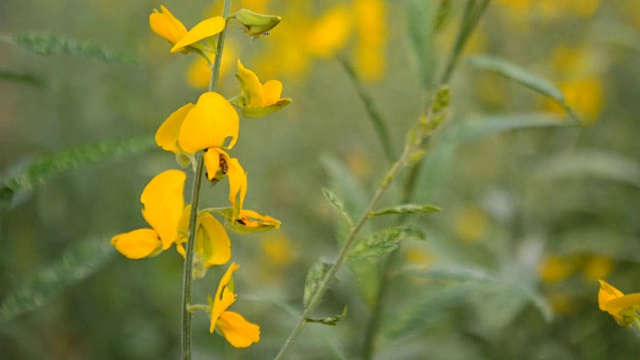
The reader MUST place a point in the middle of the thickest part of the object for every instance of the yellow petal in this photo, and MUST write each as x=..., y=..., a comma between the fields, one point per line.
x=272, y=91
x=209, y=124
x=237, y=330
x=237, y=185
x=330, y=33
x=213, y=244
x=213, y=162
x=264, y=111
x=163, y=200
x=224, y=296
x=183, y=230
x=167, y=134
x=204, y=29
x=249, y=222
x=138, y=244
x=166, y=25
x=607, y=293
x=617, y=305
x=250, y=86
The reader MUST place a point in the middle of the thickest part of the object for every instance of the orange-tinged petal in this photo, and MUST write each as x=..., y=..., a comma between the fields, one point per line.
x=204, y=29
x=209, y=124
x=239, y=332
x=251, y=87
x=138, y=244
x=167, y=134
x=166, y=25
x=615, y=306
x=249, y=222
x=163, y=200
x=213, y=244
x=272, y=91
x=211, y=163
x=607, y=293
x=237, y=185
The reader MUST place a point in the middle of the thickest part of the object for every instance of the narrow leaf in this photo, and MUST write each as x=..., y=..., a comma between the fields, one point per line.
x=77, y=263
x=420, y=29
x=523, y=77
x=315, y=275
x=383, y=242
x=22, y=77
x=332, y=320
x=444, y=14
x=39, y=171
x=406, y=209
x=337, y=204
x=49, y=44
x=481, y=127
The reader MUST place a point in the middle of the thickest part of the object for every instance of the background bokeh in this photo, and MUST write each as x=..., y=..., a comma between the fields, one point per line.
x=531, y=218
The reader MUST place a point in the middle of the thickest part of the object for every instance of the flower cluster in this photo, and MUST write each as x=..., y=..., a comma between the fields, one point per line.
x=207, y=129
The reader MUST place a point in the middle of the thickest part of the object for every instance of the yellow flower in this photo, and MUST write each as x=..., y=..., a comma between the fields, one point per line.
x=371, y=25
x=163, y=207
x=167, y=26
x=329, y=33
x=597, y=267
x=207, y=125
x=556, y=268
x=239, y=332
x=258, y=99
x=243, y=221
x=625, y=309
x=212, y=247
x=471, y=223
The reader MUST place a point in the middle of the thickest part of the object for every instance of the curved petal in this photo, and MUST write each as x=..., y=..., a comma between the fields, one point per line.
x=213, y=243
x=615, y=306
x=264, y=111
x=249, y=221
x=138, y=244
x=272, y=92
x=204, y=29
x=167, y=134
x=212, y=163
x=224, y=296
x=164, y=203
x=209, y=124
x=239, y=332
x=237, y=185
x=251, y=87
x=607, y=293
x=166, y=25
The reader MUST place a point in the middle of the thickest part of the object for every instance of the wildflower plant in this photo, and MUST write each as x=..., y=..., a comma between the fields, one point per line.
x=201, y=135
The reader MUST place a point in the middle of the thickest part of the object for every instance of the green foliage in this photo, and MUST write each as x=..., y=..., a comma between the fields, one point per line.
x=406, y=209
x=49, y=44
x=22, y=77
x=76, y=264
x=316, y=273
x=37, y=172
x=384, y=242
x=338, y=205
x=478, y=128
x=523, y=77
x=420, y=31
x=331, y=320
x=444, y=14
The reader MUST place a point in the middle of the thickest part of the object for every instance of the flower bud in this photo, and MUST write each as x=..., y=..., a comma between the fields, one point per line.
x=256, y=24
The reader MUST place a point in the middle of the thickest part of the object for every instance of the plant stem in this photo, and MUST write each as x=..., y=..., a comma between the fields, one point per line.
x=187, y=275
x=471, y=17
x=348, y=244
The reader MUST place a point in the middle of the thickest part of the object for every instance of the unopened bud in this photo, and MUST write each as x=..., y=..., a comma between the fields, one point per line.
x=256, y=24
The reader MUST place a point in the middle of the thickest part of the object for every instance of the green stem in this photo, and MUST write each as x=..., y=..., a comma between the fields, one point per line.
x=471, y=17
x=342, y=256
x=376, y=119
x=187, y=274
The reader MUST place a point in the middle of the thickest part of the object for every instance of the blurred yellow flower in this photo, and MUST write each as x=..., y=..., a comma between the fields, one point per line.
x=597, y=267
x=258, y=99
x=239, y=332
x=278, y=249
x=163, y=202
x=470, y=223
x=556, y=268
x=625, y=309
x=585, y=95
x=329, y=33
x=169, y=27
x=371, y=27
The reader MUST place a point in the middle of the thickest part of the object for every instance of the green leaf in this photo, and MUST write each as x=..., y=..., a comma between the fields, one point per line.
x=489, y=282
x=39, y=171
x=523, y=77
x=315, y=275
x=481, y=127
x=406, y=209
x=22, y=77
x=593, y=163
x=420, y=28
x=332, y=321
x=383, y=242
x=444, y=14
x=337, y=204
x=77, y=263
x=49, y=44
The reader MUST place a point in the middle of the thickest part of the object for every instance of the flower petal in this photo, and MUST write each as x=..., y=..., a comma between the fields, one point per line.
x=138, y=244
x=212, y=163
x=204, y=29
x=251, y=87
x=166, y=25
x=239, y=332
x=615, y=306
x=249, y=222
x=213, y=243
x=224, y=296
x=167, y=134
x=209, y=124
x=264, y=111
x=272, y=91
x=237, y=185
x=607, y=293
x=164, y=203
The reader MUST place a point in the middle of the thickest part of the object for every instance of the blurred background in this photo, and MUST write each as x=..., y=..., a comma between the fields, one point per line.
x=531, y=217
